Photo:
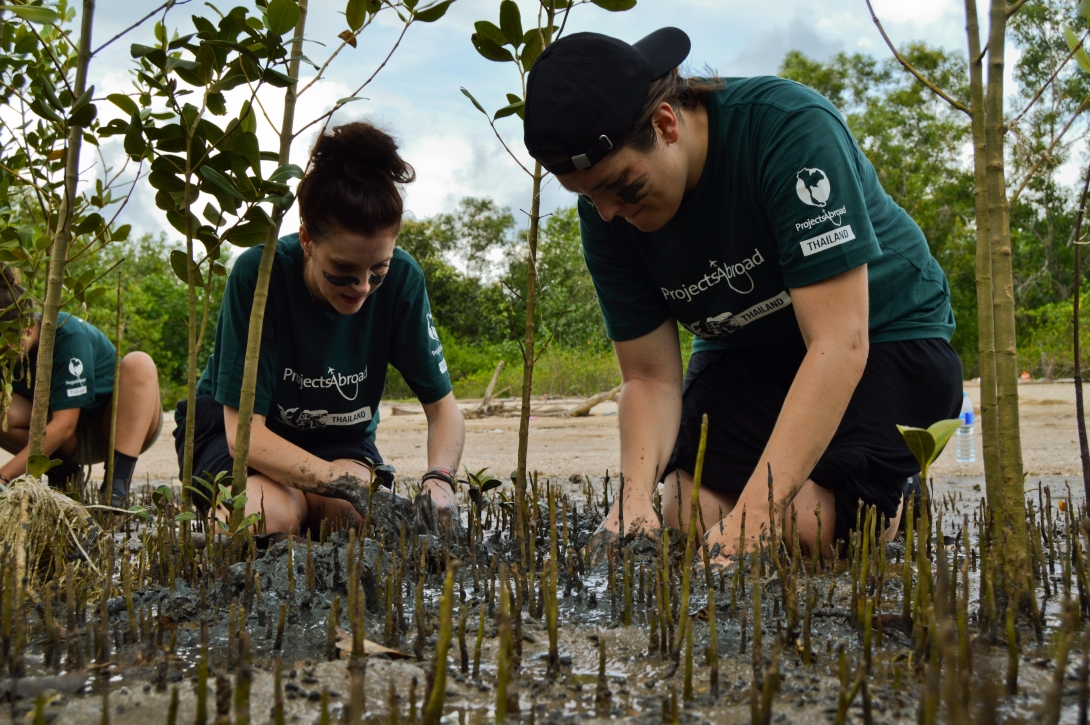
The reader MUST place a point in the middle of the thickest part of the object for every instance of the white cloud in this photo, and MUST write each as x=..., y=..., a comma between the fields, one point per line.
x=417, y=95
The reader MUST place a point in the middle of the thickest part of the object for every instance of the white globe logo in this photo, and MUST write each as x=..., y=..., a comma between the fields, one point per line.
x=75, y=366
x=813, y=187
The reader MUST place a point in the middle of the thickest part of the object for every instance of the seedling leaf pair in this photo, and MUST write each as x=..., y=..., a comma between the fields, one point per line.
x=927, y=443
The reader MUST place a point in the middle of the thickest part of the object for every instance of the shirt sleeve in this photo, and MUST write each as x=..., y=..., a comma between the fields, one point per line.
x=416, y=350
x=232, y=331
x=630, y=300
x=73, y=382
x=812, y=184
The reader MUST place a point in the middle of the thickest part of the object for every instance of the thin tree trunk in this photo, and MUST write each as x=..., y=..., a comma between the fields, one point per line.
x=58, y=255
x=989, y=416
x=261, y=292
x=528, y=352
x=1080, y=410
x=191, y=278
x=1008, y=497
x=109, y=464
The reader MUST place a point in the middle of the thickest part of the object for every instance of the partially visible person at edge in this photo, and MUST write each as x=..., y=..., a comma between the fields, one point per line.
x=743, y=209
x=343, y=302
x=80, y=399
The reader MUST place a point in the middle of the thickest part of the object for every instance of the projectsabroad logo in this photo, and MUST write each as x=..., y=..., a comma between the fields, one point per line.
x=734, y=274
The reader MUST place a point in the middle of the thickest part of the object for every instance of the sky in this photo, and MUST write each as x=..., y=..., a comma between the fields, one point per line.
x=416, y=96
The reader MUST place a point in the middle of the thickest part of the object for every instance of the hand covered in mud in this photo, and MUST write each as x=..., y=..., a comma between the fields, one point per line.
x=640, y=519
x=436, y=511
x=722, y=537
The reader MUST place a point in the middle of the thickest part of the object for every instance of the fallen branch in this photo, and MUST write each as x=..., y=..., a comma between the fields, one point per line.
x=584, y=408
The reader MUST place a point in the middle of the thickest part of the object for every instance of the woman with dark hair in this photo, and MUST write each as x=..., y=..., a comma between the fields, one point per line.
x=744, y=210
x=343, y=303
x=80, y=398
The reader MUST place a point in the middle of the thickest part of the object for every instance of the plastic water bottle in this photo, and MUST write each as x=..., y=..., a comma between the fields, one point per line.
x=966, y=451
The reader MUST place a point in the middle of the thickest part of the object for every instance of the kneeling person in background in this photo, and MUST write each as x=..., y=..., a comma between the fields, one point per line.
x=80, y=399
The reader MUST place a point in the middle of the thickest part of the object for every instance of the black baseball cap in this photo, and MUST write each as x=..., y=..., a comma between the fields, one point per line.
x=586, y=90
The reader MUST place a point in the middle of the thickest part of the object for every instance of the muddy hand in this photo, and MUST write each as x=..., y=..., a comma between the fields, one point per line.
x=599, y=545
x=442, y=521
x=346, y=487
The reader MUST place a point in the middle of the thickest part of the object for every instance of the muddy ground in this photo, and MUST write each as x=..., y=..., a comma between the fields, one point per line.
x=641, y=686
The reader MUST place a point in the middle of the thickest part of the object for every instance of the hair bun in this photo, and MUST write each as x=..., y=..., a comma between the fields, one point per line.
x=352, y=181
x=362, y=151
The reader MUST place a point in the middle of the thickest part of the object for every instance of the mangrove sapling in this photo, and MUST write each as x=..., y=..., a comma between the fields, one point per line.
x=491, y=42
x=81, y=114
x=291, y=15
x=690, y=542
x=434, y=709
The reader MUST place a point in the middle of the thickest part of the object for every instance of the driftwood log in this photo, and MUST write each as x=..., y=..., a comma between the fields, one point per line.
x=587, y=405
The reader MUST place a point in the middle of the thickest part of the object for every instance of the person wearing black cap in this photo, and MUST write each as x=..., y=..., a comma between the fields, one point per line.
x=743, y=209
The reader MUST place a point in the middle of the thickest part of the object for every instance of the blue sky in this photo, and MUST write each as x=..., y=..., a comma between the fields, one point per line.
x=417, y=97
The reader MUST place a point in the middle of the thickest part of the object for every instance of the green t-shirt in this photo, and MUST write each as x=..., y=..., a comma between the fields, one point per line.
x=321, y=373
x=786, y=199
x=83, y=367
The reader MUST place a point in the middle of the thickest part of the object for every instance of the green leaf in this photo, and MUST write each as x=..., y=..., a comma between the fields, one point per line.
x=510, y=110
x=490, y=49
x=83, y=116
x=1083, y=10
x=162, y=496
x=615, y=6
x=469, y=95
x=121, y=233
x=33, y=14
x=275, y=78
x=433, y=12
x=212, y=214
x=491, y=484
x=140, y=511
x=941, y=432
x=217, y=104
x=489, y=30
x=532, y=49
x=249, y=234
x=178, y=264
x=285, y=172
x=1072, y=43
x=281, y=16
x=927, y=444
x=356, y=14
x=247, y=118
x=349, y=99
x=511, y=22
x=249, y=521
x=123, y=102
x=184, y=516
x=220, y=182
x=37, y=465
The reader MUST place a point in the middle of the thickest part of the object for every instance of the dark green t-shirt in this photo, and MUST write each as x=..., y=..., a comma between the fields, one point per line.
x=83, y=367
x=321, y=373
x=786, y=199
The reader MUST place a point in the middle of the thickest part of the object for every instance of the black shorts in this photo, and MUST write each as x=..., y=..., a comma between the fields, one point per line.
x=914, y=383
x=211, y=454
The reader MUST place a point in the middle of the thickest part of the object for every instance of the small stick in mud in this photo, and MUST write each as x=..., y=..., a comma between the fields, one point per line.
x=687, y=692
x=503, y=653
x=480, y=641
x=278, y=692
x=712, y=652
x=243, y=681
x=601, y=694
x=462, y=649
x=278, y=643
x=223, y=701
x=433, y=711
x=331, y=651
